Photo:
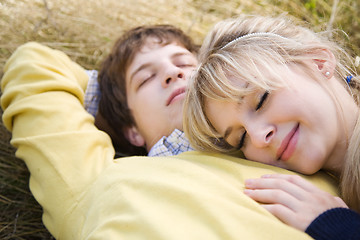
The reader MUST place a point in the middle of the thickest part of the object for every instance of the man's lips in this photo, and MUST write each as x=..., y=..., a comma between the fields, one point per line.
x=288, y=145
x=175, y=94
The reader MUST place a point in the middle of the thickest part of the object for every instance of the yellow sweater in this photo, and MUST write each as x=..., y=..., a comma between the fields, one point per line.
x=87, y=194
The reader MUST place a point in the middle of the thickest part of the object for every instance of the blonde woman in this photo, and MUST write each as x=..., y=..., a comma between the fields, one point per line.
x=286, y=96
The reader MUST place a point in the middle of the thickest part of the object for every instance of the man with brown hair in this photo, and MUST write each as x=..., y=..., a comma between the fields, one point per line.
x=143, y=83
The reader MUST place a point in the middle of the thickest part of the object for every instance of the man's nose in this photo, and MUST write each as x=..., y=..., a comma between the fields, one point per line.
x=172, y=74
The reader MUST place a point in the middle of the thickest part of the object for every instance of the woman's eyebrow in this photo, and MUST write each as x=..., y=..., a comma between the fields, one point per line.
x=229, y=129
x=227, y=132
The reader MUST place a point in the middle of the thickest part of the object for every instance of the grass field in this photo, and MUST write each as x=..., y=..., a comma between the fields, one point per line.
x=86, y=30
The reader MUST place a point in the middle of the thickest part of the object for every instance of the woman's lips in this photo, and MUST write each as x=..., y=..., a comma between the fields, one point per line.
x=178, y=93
x=288, y=145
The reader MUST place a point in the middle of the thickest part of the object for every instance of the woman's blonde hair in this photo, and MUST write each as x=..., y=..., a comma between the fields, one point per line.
x=252, y=48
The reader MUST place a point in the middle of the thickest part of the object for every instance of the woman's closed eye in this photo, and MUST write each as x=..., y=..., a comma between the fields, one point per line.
x=262, y=100
x=242, y=140
x=258, y=106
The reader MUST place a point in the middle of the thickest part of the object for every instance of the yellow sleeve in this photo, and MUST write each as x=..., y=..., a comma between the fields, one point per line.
x=43, y=92
x=86, y=194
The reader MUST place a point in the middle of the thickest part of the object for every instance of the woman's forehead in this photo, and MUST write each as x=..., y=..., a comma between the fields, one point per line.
x=237, y=81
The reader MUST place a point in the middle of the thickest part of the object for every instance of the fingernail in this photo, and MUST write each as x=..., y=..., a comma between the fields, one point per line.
x=248, y=182
x=247, y=191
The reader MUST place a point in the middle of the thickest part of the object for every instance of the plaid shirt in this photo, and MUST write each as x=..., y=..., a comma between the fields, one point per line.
x=174, y=144
x=92, y=93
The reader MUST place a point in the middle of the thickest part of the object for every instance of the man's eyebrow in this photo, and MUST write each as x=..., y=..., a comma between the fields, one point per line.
x=146, y=65
x=181, y=54
x=141, y=67
x=227, y=132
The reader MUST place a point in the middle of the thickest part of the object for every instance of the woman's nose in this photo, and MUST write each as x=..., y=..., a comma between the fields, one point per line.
x=261, y=135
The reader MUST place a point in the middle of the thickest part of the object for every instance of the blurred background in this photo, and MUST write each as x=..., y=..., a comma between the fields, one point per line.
x=86, y=30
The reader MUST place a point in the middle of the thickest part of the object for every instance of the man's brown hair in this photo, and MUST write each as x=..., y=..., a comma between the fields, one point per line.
x=114, y=115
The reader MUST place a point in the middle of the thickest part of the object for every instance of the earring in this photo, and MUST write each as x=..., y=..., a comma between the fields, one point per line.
x=327, y=74
x=348, y=79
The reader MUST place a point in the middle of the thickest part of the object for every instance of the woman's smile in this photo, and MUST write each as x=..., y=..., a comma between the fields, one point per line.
x=288, y=145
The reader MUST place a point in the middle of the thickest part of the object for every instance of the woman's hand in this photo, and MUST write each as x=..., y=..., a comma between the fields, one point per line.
x=291, y=198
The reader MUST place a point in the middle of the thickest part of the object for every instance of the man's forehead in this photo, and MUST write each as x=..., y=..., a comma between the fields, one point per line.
x=154, y=43
x=144, y=55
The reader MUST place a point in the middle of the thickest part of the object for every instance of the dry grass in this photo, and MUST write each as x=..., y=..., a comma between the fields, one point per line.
x=86, y=29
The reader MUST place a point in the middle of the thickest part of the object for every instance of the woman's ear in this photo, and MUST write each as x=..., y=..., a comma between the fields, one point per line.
x=325, y=63
x=134, y=137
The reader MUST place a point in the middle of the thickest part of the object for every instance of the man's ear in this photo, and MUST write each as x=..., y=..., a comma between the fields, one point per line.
x=326, y=63
x=134, y=137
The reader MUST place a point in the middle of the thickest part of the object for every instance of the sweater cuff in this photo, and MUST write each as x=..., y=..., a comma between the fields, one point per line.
x=336, y=223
